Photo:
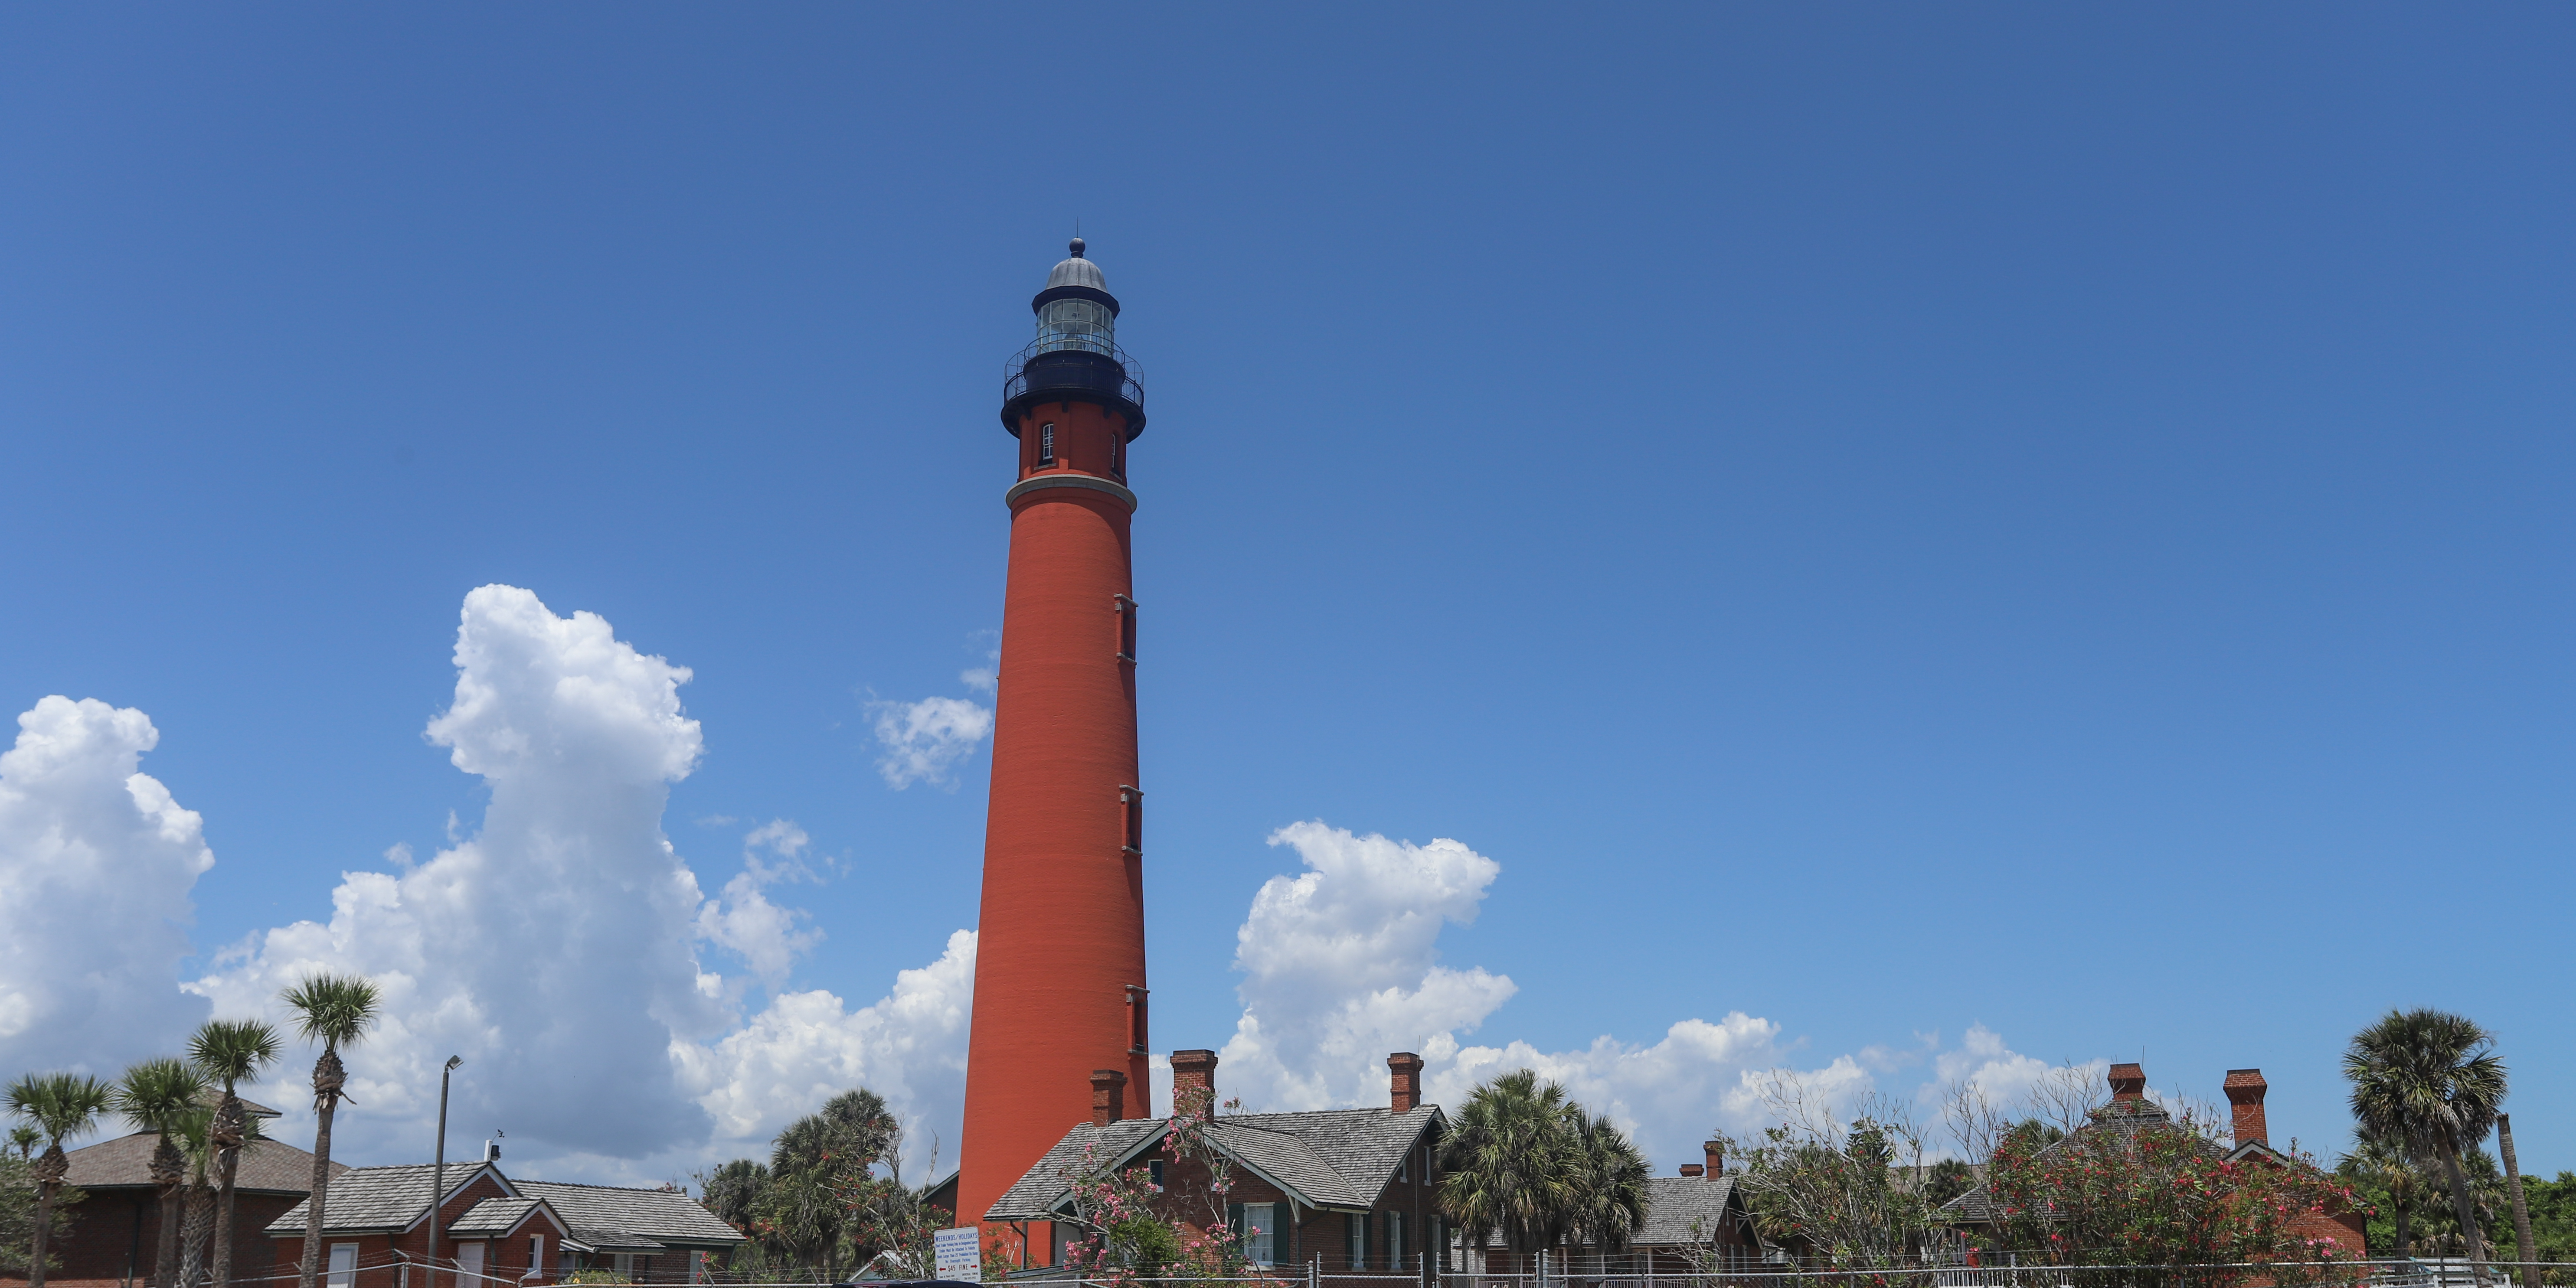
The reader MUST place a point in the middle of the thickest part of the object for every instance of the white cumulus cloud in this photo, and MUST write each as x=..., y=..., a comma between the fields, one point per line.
x=553, y=947
x=924, y=740
x=767, y=937
x=1340, y=966
x=556, y=947
x=97, y=863
x=909, y=1047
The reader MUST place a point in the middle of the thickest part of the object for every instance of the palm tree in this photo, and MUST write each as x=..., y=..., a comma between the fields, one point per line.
x=230, y=1052
x=337, y=1010
x=59, y=1105
x=1610, y=1201
x=26, y=1139
x=2431, y=1081
x=811, y=1163
x=195, y=1131
x=1507, y=1167
x=2386, y=1162
x=156, y=1096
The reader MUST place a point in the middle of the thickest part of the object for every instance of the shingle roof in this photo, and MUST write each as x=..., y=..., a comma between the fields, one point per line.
x=607, y=1216
x=1043, y=1186
x=494, y=1216
x=267, y=1166
x=1365, y=1145
x=1292, y=1164
x=1338, y=1158
x=1684, y=1209
x=378, y=1198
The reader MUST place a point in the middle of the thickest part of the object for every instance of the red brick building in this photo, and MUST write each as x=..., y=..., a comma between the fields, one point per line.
x=1351, y=1189
x=110, y=1238
x=495, y=1231
x=1693, y=1221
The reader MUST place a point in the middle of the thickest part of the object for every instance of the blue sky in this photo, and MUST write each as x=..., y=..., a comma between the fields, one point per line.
x=1884, y=520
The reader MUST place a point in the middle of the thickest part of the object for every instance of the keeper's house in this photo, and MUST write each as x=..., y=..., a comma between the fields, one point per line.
x=498, y=1231
x=1351, y=1189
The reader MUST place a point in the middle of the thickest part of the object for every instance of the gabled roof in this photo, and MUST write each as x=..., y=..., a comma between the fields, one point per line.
x=1038, y=1192
x=1328, y=1158
x=501, y=1216
x=365, y=1199
x=1685, y=1210
x=614, y=1218
x=267, y=1166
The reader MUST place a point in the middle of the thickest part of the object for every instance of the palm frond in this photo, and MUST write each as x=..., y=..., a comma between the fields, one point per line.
x=232, y=1051
x=60, y=1105
x=153, y=1091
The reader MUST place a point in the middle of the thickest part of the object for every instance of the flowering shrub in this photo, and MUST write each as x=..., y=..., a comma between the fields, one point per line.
x=2158, y=1193
x=1135, y=1227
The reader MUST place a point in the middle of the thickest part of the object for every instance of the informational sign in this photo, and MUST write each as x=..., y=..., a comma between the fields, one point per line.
x=960, y=1253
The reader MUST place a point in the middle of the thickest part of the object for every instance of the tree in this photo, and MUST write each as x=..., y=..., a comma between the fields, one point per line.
x=894, y=1223
x=335, y=1010
x=1830, y=1185
x=157, y=1096
x=801, y=1215
x=2431, y=1080
x=196, y=1134
x=1610, y=1183
x=26, y=1138
x=2379, y=1166
x=60, y=1105
x=1527, y=1164
x=17, y=1212
x=230, y=1052
x=733, y=1192
x=2154, y=1201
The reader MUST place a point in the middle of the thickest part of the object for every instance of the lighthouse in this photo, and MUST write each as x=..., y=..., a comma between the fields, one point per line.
x=1060, y=949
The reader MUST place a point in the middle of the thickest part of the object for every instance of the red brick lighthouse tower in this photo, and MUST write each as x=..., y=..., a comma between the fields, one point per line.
x=1060, y=953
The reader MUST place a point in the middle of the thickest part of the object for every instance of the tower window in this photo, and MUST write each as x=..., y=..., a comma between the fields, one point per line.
x=1126, y=628
x=1046, y=444
x=1136, y=1034
x=1134, y=801
x=1118, y=456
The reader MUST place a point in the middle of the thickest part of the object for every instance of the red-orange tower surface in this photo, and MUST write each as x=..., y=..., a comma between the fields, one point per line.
x=1060, y=951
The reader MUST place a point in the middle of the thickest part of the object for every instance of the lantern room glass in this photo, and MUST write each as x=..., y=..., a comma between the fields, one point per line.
x=1074, y=323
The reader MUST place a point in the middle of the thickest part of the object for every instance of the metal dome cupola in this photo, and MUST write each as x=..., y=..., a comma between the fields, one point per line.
x=1076, y=355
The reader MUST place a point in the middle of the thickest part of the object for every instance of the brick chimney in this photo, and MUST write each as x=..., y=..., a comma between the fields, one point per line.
x=2128, y=1084
x=1108, y=1096
x=1715, y=1150
x=2245, y=1089
x=1690, y=1169
x=1406, y=1083
x=1193, y=1071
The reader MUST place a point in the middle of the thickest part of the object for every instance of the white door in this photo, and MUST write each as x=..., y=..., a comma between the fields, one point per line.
x=344, y=1266
x=469, y=1264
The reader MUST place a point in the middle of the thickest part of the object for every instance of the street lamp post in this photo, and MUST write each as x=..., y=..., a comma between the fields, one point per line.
x=438, y=1186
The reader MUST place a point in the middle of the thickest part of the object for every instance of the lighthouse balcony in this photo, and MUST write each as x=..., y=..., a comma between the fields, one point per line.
x=1088, y=368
